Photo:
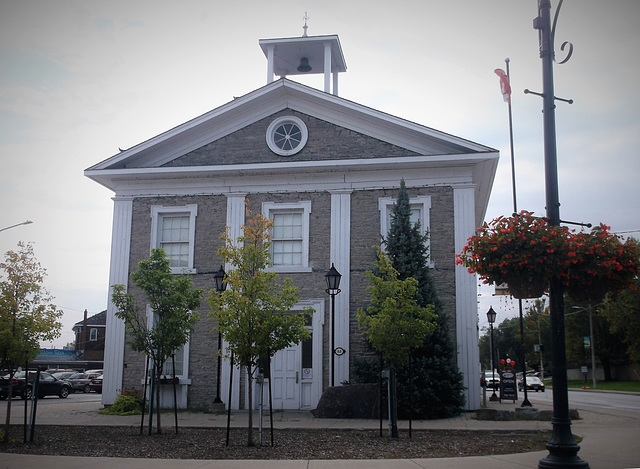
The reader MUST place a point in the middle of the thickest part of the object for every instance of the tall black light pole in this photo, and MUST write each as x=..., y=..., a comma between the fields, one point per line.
x=491, y=317
x=221, y=286
x=333, y=283
x=563, y=449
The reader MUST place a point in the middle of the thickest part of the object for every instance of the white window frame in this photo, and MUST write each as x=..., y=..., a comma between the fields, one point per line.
x=157, y=213
x=305, y=206
x=93, y=334
x=423, y=202
x=151, y=322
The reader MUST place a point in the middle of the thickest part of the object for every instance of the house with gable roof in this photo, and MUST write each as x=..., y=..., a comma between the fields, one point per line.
x=327, y=171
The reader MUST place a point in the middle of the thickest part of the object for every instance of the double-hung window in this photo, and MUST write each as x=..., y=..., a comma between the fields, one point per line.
x=180, y=356
x=420, y=213
x=290, y=235
x=173, y=229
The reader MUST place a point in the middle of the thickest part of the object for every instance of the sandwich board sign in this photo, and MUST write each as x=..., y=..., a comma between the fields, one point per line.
x=508, y=385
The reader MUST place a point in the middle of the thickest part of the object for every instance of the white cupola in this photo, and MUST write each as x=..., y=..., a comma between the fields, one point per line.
x=303, y=56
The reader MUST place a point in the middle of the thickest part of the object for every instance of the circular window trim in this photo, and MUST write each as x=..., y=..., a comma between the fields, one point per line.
x=276, y=129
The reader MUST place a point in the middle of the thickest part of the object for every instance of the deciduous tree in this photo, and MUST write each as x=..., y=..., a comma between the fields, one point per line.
x=27, y=316
x=394, y=323
x=623, y=314
x=172, y=301
x=254, y=312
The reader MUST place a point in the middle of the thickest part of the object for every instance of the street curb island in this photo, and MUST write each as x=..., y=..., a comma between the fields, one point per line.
x=608, y=438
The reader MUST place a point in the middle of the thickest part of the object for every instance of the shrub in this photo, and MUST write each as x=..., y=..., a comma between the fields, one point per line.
x=127, y=403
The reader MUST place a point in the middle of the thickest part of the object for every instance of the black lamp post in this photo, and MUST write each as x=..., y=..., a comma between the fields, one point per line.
x=491, y=317
x=221, y=286
x=563, y=449
x=333, y=283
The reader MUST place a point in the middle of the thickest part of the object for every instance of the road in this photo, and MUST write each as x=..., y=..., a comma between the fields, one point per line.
x=582, y=399
x=17, y=405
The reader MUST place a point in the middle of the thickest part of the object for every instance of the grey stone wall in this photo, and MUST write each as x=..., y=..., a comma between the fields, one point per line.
x=326, y=141
x=365, y=233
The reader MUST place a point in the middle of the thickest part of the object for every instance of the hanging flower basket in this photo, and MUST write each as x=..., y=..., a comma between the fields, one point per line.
x=598, y=263
x=527, y=287
x=516, y=250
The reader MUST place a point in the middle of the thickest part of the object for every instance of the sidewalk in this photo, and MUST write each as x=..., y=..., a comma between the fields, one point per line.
x=610, y=440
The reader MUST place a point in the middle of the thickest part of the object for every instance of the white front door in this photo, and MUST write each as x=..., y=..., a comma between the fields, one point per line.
x=285, y=374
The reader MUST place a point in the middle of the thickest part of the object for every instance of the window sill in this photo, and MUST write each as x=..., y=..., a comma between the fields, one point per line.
x=289, y=269
x=183, y=270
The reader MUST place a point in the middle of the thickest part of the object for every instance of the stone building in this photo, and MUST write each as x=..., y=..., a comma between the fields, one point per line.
x=327, y=171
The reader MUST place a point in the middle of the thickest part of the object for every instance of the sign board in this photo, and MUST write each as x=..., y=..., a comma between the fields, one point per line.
x=508, y=386
x=584, y=370
x=587, y=342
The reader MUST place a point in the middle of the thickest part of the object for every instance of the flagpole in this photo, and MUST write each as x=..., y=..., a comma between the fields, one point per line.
x=525, y=402
x=513, y=160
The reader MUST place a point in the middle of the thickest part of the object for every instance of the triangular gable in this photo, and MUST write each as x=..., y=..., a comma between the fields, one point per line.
x=248, y=145
x=271, y=99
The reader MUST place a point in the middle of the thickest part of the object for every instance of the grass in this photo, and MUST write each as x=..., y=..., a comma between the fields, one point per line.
x=626, y=386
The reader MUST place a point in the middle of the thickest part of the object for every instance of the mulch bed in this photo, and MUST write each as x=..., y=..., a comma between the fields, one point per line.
x=209, y=443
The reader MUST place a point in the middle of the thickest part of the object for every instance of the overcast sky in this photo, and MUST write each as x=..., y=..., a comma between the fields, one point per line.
x=80, y=79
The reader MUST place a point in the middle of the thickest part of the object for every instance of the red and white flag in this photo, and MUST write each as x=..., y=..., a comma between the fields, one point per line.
x=505, y=87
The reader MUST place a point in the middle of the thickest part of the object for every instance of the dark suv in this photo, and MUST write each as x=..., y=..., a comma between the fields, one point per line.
x=47, y=386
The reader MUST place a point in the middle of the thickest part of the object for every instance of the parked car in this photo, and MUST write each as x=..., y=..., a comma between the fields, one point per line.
x=533, y=384
x=48, y=385
x=79, y=382
x=492, y=382
x=63, y=374
x=96, y=384
x=52, y=371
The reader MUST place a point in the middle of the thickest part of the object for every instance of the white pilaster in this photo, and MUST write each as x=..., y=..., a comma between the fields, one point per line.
x=270, y=64
x=327, y=67
x=340, y=256
x=466, y=298
x=118, y=275
x=235, y=220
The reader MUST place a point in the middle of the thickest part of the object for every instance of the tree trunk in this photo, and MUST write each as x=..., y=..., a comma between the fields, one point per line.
x=250, y=384
x=159, y=427
x=7, y=425
x=393, y=404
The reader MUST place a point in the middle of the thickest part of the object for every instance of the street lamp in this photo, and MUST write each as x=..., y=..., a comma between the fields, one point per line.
x=563, y=449
x=592, y=344
x=28, y=222
x=491, y=317
x=221, y=286
x=333, y=283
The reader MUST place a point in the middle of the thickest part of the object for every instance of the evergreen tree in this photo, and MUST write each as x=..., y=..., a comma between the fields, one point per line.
x=437, y=381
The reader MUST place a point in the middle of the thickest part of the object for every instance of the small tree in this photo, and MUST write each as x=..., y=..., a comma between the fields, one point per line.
x=254, y=312
x=395, y=323
x=27, y=316
x=623, y=315
x=438, y=389
x=172, y=300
